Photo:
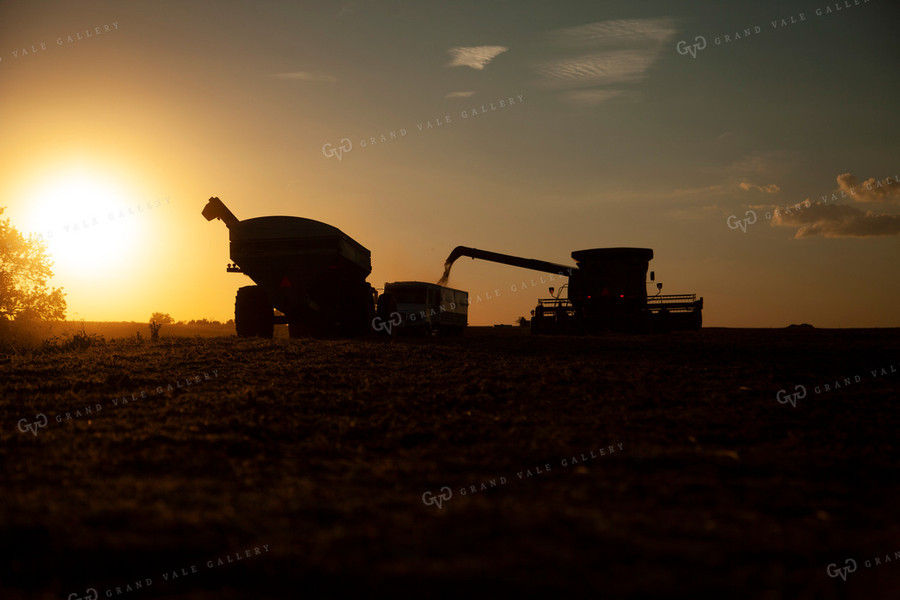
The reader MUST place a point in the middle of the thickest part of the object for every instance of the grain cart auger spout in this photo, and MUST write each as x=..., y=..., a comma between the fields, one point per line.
x=312, y=273
x=607, y=291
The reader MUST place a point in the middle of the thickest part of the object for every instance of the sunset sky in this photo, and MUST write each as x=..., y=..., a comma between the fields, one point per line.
x=632, y=124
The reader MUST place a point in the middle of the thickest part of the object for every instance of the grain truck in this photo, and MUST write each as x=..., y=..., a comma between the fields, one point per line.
x=420, y=308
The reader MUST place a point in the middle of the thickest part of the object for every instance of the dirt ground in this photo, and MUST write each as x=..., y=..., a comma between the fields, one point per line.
x=667, y=466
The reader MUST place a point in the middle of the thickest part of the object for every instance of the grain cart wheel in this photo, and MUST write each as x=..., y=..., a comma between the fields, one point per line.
x=253, y=314
x=362, y=311
x=244, y=320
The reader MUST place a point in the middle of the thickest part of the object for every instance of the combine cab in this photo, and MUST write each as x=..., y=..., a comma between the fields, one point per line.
x=607, y=291
x=311, y=272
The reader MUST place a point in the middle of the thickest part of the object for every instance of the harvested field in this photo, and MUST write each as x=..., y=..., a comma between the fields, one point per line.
x=325, y=465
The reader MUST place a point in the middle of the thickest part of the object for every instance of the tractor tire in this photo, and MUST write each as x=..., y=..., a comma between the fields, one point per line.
x=253, y=315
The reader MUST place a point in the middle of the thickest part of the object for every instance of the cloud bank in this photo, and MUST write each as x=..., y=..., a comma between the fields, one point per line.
x=847, y=220
x=837, y=220
x=870, y=190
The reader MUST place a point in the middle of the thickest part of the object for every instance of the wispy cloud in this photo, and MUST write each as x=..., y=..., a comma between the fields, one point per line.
x=725, y=136
x=305, y=76
x=598, y=69
x=476, y=57
x=771, y=164
x=616, y=33
x=591, y=97
x=612, y=52
x=460, y=94
x=766, y=189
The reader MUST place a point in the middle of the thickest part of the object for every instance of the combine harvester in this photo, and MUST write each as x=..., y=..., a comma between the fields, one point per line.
x=313, y=273
x=607, y=291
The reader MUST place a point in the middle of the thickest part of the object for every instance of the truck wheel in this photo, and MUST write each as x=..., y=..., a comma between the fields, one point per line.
x=385, y=307
x=253, y=314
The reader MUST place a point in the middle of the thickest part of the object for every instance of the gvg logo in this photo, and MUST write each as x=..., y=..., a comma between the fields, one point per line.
x=799, y=394
x=330, y=151
x=429, y=499
x=684, y=48
x=849, y=567
x=89, y=594
x=380, y=325
x=40, y=421
x=749, y=219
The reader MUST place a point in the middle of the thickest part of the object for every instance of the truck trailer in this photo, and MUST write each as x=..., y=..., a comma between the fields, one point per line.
x=420, y=308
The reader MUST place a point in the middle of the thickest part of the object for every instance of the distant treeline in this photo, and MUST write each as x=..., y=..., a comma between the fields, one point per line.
x=205, y=322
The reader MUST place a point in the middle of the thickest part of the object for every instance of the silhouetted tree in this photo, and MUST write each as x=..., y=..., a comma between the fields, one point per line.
x=161, y=318
x=24, y=272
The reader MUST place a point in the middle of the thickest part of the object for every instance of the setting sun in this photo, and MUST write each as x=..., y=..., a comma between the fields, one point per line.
x=83, y=218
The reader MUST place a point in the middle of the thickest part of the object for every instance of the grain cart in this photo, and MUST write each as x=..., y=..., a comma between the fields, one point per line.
x=607, y=291
x=313, y=273
x=419, y=308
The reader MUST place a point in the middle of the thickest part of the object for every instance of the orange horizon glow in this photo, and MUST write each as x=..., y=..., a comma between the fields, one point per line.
x=615, y=139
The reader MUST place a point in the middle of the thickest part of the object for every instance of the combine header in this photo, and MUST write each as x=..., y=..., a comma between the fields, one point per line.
x=607, y=291
x=313, y=273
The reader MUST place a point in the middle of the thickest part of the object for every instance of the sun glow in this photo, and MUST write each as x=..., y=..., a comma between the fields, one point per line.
x=86, y=220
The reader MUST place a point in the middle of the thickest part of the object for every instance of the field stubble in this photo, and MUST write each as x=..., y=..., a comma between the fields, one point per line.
x=321, y=451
